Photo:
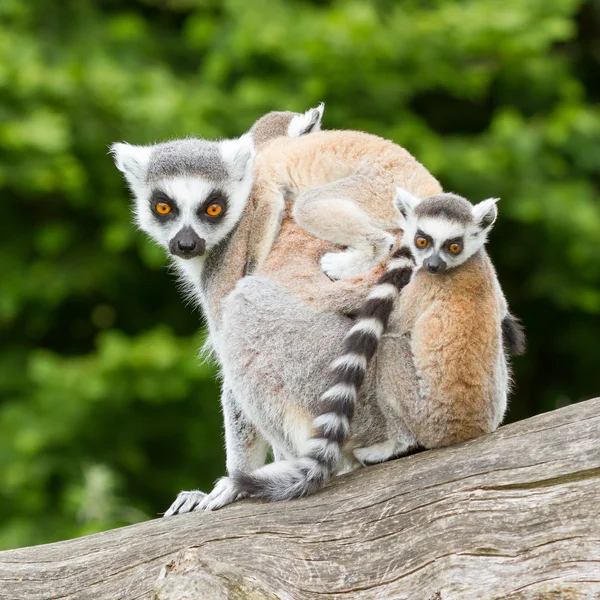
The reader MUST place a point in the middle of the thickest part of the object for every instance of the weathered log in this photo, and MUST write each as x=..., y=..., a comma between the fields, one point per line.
x=511, y=515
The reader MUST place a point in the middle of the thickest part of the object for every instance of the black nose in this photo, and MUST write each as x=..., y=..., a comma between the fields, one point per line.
x=433, y=268
x=187, y=244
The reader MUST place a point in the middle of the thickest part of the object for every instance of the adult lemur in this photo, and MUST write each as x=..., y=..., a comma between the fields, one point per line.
x=192, y=198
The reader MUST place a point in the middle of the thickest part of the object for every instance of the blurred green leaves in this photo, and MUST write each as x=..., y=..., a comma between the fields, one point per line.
x=105, y=411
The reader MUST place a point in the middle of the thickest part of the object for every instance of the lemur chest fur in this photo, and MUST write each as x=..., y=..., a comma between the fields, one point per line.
x=467, y=292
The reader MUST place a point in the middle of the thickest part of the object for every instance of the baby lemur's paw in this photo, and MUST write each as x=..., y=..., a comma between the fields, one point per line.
x=352, y=262
x=185, y=502
x=383, y=246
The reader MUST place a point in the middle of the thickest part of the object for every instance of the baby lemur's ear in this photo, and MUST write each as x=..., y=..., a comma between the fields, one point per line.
x=307, y=123
x=132, y=161
x=238, y=155
x=405, y=202
x=485, y=213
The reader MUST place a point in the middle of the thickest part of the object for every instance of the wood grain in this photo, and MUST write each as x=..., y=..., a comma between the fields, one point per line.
x=512, y=515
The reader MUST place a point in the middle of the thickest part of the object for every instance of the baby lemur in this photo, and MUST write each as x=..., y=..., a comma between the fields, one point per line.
x=275, y=331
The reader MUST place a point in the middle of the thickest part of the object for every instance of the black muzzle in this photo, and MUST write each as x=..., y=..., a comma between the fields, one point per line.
x=187, y=244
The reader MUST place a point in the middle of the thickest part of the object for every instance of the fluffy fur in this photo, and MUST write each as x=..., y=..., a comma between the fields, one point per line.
x=276, y=332
x=452, y=318
x=342, y=185
x=324, y=451
x=445, y=234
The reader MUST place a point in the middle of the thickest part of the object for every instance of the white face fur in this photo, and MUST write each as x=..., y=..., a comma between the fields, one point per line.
x=189, y=194
x=445, y=230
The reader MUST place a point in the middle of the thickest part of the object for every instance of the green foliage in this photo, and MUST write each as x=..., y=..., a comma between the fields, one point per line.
x=105, y=411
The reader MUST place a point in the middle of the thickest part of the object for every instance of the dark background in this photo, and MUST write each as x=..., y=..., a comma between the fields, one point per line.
x=105, y=410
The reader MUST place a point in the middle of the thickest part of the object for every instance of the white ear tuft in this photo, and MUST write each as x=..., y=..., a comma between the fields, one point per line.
x=306, y=123
x=238, y=154
x=132, y=161
x=405, y=202
x=485, y=213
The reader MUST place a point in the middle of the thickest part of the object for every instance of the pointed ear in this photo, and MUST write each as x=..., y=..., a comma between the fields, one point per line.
x=132, y=161
x=306, y=123
x=405, y=202
x=485, y=213
x=238, y=155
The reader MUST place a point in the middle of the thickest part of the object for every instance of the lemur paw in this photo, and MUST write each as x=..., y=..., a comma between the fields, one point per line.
x=383, y=246
x=339, y=265
x=185, y=502
x=354, y=261
x=223, y=493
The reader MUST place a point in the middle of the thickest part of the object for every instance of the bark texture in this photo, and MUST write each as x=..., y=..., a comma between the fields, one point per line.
x=512, y=515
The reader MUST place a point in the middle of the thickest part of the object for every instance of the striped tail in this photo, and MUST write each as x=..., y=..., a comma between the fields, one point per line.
x=283, y=480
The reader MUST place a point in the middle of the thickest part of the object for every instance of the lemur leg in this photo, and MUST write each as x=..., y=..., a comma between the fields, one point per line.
x=246, y=451
x=269, y=210
x=332, y=212
x=396, y=388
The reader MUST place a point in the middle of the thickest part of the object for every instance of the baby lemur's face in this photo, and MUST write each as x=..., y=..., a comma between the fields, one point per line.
x=445, y=230
x=189, y=194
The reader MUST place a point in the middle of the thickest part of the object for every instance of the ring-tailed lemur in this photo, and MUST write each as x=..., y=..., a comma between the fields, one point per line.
x=188, y=197
x=444, y=232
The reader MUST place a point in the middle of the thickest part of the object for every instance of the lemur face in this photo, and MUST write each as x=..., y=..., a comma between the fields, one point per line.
x=444, y=231
x=189, y=194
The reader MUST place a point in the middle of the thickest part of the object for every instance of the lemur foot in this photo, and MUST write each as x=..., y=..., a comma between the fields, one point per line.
x=354, y=261
x=185, y=502
x=376, y=453
x=387, y=450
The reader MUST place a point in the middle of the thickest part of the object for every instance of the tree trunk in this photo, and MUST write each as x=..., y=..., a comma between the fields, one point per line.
x=513, y=515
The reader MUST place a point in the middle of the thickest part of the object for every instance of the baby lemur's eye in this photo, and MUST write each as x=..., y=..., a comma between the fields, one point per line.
x=421, y=242
x=214, y=210
x=162, y=208
x=455, y=248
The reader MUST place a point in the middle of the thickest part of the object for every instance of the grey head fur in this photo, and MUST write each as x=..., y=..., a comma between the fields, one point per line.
x=190, y=157
x=446, y=206
x=190, y=193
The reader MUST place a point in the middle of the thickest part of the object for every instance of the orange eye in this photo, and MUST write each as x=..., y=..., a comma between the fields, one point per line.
x=214, y=210
x=422, y=242
x=455, y=248
x=162, y=208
